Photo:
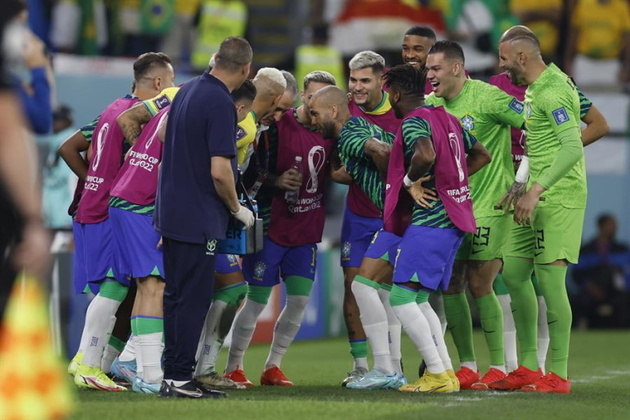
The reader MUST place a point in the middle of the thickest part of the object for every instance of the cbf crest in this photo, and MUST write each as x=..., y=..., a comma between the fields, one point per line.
x=468, y=122
x=259, y=270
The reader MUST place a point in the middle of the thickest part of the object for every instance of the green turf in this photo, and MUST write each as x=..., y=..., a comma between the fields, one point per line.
x=599, y=369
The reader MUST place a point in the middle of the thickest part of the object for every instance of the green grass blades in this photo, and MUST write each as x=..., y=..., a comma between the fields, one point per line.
x=599, y=369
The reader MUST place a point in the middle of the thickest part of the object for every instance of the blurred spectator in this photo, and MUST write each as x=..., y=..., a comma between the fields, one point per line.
x=602, y=299
x=144, y=23
x=218, y=19
x=543, y=17
x=79, y=26
x=34, y=94
x=177, y=43
x=318, y=55
x=600, y=30
x=58, y=179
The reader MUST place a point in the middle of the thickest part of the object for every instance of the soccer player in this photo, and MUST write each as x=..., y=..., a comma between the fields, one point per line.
x=417, y=42
x=596, y=127
x=138, y=250
x=295, y=226
x=487, y=113
x=362, y=219
x=428, y=153
x=364, y=152
x=557, y=176
x=92, y=227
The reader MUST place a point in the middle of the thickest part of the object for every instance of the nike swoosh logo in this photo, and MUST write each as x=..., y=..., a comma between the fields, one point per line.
x=476, y=252
x=194, y=394
x=552, y=322
x=489, y=332
x=537, y=253
x=436, y=388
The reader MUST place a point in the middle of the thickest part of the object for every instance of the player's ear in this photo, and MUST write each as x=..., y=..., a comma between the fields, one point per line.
x=334, y=111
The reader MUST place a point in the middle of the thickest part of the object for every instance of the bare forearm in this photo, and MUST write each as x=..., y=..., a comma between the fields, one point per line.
x=341, y=176
x=379, y=153
x=70, y=152
x=596, y=126
x=131, y=121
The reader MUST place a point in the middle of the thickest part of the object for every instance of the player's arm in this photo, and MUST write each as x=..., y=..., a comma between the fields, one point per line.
x=596, y=124
x=71, y=151
x=132, y=120
x=379, y=152
x=421, y=162
x=570, y=152
x=338, y=172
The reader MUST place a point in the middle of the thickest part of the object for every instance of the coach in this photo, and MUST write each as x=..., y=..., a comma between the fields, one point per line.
x=195, y=192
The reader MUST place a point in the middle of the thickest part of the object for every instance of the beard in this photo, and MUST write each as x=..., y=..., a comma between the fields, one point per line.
x=328, y=130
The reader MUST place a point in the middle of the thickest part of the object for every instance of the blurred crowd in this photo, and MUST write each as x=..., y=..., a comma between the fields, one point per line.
x=572, y=32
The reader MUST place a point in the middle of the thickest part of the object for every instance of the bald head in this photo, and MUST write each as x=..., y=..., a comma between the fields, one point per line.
x=523, y=36
x=519, y=55
x=330, y=95
x=329, y=111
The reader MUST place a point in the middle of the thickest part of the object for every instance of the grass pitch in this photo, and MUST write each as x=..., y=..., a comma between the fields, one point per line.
x=599, y=368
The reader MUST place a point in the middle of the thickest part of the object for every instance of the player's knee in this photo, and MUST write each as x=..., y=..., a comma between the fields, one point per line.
x=259, y=294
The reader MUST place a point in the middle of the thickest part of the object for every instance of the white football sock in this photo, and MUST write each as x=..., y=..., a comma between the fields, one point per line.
x=437, y=303
x=209, y=336
x=509, y=333
x=150, y=346
x=395, y=331
x=99, y=323
x=417, y=328
x=543, y=333
x=109, y=354
x=286, y=328
x=129, y=352
x=242, y=332
x=360, y=362
x=436, y=331
x=374, y=321
x=470, y=365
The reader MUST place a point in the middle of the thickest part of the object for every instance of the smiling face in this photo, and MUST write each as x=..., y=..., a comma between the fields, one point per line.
x=415, y=49
x=442, y=73
x=366, y=87
x=323, y=118
x=511, y=62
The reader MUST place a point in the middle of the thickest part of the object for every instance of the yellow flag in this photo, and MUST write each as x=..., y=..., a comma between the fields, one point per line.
x=32, y=380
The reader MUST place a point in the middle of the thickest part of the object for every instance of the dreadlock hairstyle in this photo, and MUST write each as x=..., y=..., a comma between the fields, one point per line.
x=406, y=79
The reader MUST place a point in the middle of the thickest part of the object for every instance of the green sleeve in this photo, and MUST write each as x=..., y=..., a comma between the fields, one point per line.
x=571, y=150
x=352, y=140
x=504, y=108
x=432, y=100
x=412, y=129
x=88, y=129
x=567, y=131
x=585, y=103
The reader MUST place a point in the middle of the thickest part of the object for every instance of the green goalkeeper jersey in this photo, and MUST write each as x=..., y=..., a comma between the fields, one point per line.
x=552, y=106
x=487, y=113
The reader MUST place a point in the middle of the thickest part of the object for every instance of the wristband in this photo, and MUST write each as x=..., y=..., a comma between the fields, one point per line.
x=523, y=171
x=407, y=181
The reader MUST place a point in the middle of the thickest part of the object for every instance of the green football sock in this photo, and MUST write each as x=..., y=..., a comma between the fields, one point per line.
x=359, y=348
x=499, y=286
x=116, y=343
x=552, y=280
x=492, y=325
x=459, y=323
x=517, y=274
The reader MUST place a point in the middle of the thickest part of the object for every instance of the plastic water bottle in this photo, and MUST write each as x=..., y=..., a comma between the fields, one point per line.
x=290, y=196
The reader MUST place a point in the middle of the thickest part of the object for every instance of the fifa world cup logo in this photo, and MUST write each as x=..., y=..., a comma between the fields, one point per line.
x=316, y=160
x=453, y=142
x=157, y=129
